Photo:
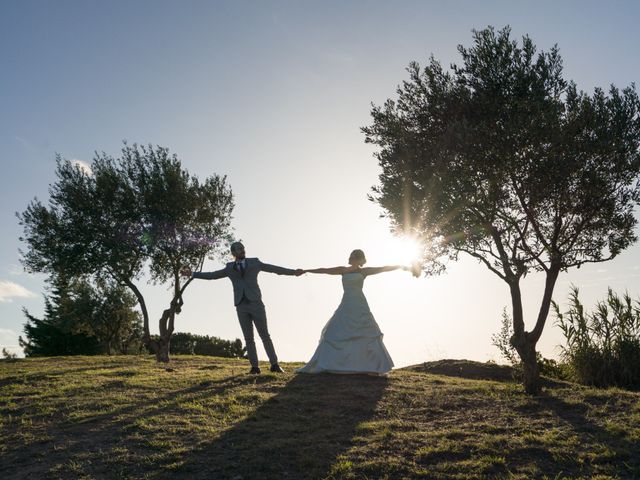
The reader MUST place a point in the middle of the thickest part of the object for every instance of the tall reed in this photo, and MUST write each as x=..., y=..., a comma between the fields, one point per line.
x=602, y=347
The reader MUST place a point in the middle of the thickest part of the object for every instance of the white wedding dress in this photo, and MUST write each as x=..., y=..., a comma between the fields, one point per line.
x=351, y=341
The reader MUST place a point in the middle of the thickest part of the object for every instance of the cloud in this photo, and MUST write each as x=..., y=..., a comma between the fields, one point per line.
x=10, y=290
x=337, y=57
x=11, y=347
x=9, y=340
x=84, y=166
x=33, y=147
x=15, y=269
x=24, y=143
x=17, y=349
x=8, y=336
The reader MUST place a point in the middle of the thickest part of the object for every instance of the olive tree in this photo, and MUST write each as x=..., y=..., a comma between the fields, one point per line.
x=139, y=216
x=501, y=158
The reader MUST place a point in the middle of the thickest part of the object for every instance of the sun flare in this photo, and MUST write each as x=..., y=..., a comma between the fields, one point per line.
x=401, y=250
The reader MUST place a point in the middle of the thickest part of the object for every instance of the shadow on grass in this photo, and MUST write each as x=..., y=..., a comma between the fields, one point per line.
x=617, y=449
x=299, y=433
x=99, y=432
x=584, y=447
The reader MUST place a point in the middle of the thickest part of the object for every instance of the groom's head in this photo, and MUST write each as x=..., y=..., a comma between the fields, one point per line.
x=237, y=250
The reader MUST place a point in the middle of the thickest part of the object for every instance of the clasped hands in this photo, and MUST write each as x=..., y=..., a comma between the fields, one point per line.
x=414, y=269
x=187, y=272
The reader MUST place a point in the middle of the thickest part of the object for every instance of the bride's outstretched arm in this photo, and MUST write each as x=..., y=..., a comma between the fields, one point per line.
x=329, y=271
x=388, y=268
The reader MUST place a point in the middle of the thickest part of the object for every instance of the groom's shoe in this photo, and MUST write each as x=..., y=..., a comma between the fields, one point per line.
x=276, y=368
x=254, y=371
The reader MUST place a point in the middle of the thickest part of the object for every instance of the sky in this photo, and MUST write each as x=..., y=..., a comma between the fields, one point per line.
x=273, y=94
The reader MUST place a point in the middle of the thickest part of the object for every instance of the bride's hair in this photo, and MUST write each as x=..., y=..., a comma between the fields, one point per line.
x=358, y=256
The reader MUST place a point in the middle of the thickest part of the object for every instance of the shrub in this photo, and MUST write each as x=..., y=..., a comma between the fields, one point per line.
x=502, y=341
x=219, y=348
x=603, y=347
x=190, y=344
x=182, y=343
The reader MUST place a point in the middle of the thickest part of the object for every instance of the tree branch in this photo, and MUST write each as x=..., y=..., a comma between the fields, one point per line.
x=503, y=254
x=529, y=214
x=550, y=282
x=582, y=262
x=143, y=305
x=483, y=260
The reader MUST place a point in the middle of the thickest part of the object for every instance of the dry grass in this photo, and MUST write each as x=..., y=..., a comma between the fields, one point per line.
x=205, y=418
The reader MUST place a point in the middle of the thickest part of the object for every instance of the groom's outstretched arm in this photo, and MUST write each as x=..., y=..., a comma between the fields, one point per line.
x=278, y=270
x=211, y=275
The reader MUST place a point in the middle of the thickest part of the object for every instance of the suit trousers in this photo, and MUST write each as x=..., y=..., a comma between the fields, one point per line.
x=252, y=313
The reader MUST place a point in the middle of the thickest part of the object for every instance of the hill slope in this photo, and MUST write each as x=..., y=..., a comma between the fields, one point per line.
x=203, y=417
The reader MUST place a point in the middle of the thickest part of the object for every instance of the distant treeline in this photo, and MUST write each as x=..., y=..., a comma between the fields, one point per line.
x=85, y=316
x=190, y=344
x=82, y=317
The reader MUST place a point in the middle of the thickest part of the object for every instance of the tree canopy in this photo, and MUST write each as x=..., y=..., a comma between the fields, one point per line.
x=500, y=157
x=141, y=215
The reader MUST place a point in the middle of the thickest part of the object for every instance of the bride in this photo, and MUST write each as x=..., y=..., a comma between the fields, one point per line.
x=351, y=341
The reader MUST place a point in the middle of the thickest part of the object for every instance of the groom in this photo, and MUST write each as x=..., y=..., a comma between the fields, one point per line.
x=243, y=273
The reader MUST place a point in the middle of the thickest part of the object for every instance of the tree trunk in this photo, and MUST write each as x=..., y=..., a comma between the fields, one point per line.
x=530, y=369
x=166, y=325
x=523, y=344
x=160, y=345
x=162, y=351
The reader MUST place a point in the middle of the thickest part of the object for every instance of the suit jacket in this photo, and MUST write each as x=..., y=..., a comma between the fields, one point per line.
x=245, y=285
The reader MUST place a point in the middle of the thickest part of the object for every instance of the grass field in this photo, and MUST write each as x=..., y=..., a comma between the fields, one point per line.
x=205, y=418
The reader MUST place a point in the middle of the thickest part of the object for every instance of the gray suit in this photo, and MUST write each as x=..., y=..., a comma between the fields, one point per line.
x=248, y=302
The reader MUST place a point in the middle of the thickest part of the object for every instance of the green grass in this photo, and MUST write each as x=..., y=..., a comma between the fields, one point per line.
x=205, y=418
